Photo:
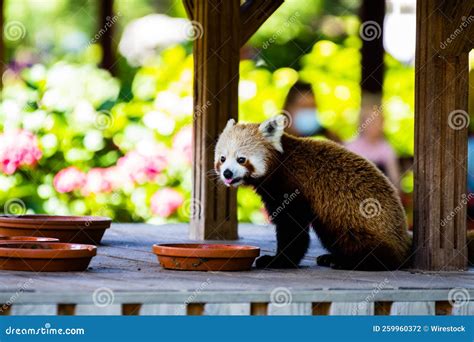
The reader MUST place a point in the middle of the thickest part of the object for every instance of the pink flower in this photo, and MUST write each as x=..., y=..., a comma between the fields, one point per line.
x=18, y=148
x=69, y=179
x=141, y=167
x=116, y=177
x=97, y=181
x=165, y=202
x=183, y=143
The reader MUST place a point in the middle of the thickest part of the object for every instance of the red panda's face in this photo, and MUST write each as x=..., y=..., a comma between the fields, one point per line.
x=243, y=150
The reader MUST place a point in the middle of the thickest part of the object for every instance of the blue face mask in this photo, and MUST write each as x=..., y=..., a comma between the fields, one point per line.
x=306, y=122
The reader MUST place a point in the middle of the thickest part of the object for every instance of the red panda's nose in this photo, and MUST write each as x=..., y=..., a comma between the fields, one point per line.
x=227, y=174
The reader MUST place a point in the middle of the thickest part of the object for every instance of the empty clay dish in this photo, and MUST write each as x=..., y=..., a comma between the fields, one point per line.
x=45, y=256
x=206, y=257
x=72, y=229
x=27, y=239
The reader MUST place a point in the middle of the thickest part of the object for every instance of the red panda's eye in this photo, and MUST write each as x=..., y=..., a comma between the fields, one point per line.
x=241, y=160
x=222, y=159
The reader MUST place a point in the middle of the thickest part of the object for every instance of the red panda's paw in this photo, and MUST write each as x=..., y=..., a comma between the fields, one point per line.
x=268, y=261
x=325, y=260
x=328, y=260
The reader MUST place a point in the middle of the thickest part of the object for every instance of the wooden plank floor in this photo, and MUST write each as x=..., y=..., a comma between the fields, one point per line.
x=126, y=266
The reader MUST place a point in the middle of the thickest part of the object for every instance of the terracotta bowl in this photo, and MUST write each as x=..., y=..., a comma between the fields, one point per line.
x=45, y=256
x=27, y=239
x=72, y=229
x=206, y=257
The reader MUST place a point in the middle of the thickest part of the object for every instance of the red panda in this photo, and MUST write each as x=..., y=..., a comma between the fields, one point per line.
x=303, y=182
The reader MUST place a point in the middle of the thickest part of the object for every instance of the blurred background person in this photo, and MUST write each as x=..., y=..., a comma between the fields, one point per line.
x=301, y=107
x=371, y=143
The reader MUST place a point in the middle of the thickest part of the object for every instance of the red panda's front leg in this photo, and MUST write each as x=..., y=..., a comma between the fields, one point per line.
x=292, y=244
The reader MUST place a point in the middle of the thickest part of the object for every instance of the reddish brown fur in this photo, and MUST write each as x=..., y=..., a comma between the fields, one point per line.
x=333, y=183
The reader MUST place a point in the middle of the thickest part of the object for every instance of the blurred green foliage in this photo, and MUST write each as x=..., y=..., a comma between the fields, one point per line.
x=87, y=119
x=64, y=106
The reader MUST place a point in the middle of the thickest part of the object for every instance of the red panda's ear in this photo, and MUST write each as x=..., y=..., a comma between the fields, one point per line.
x=230, y=124
x=272, y=130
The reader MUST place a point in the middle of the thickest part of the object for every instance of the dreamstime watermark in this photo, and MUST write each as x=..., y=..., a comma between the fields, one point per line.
x=199, y=110
x=465, y=22
x=370, y=30
x=458, y=119
x=287, y=119
x=13, y=298
x=101, y=213
x=288, y=198
x=193, y=30
x=281, y=296
x=462, y=204
x=371, y=296
x=103, y=297
x=376, y=112
x=14, y=207
x=191, y=208
x=109, y=22
x=104, y=120
x=14, y=30
x=195, y=293
x=291, y=20
x=458, y=297
x=370, y=208
x=47, y=329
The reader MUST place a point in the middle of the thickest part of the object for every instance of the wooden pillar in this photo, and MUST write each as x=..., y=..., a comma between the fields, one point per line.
x=441, y=122
x=3, y=55
x=106, y=26
x=221, y=27
x=372, y=15
x=216, y=77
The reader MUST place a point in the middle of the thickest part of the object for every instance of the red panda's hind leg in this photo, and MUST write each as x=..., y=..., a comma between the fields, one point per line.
x=292, y=244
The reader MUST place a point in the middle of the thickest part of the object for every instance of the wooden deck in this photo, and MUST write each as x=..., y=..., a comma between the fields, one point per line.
x=126, y=276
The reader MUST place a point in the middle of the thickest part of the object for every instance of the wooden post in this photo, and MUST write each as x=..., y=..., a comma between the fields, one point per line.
x=443, y=308
x=131, y=309
x=106, y=26
x=382, y=308
x=221, y=27
x=195, y=309
x=372, y=15
x=321, y=308
x=66, y=309
x=3, y=55
x=258, y=309
x=441, y=122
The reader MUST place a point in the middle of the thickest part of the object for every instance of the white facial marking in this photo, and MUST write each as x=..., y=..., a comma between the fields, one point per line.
x=236, y=141
x=238, y=172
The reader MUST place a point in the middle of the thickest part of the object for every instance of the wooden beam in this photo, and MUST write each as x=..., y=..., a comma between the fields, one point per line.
x=443, y=308
x=131, y=309
x=321, y=308
x=66, y=309
x=216, y=78
x=105, y=31
x=3, y=55
x=382, y=308
x=372, y=14
x=253, y=15
x=195, y=309
x=5, y=309
x=441, y=121
x=258, y=309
